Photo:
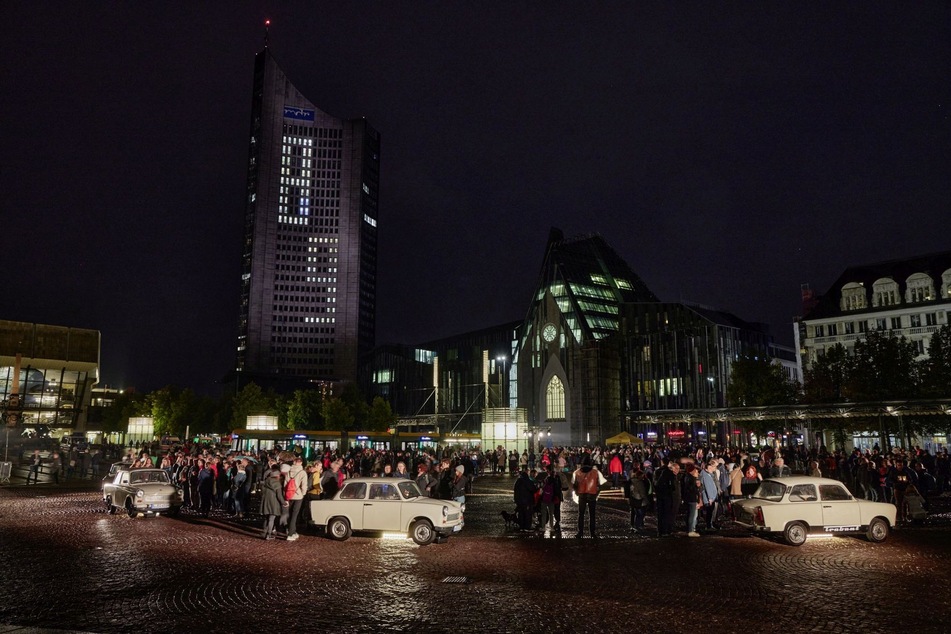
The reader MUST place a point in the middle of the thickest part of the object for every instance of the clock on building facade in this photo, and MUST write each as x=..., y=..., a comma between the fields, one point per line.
x=549, y=332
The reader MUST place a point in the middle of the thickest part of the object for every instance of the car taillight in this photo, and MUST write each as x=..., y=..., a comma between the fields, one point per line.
x=758, y=518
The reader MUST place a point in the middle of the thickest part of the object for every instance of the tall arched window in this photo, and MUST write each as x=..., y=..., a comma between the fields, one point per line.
x=885, y=292
x=555, y=399
x=946, y=284
x=919, y=288
x=853, y=297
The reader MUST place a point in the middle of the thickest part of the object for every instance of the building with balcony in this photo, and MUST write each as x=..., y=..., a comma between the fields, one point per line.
x=909, y=298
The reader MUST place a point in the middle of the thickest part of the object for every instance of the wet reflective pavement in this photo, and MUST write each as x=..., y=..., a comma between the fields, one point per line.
x=68, y=565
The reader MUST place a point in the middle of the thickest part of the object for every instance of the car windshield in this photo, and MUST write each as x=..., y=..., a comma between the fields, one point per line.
x=409, y=489
x=770, y=490
x=145, y=477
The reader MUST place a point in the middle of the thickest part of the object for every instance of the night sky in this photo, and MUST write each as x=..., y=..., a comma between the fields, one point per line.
x=729, y=152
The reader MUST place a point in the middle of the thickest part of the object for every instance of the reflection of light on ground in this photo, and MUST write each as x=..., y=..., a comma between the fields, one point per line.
x=821, y=536
x=394, y=536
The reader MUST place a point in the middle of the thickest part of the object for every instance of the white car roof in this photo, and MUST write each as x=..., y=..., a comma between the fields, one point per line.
x=791, y=480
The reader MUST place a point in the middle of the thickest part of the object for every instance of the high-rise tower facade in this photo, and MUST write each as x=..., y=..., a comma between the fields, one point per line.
x=308, y=275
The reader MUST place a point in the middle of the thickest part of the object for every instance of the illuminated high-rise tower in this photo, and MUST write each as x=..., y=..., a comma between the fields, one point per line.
x=308, y=275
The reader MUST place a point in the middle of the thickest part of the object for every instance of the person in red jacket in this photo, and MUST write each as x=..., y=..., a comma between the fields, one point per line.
x=615, y=468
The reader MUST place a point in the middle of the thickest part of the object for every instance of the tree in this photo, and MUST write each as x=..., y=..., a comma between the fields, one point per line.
x=885, y=368
x=757, y=382
x=305, y=410
x=357, y=404
x=337, y=415
x=172, y=410
x=381, y=415
x=829, y=378
x=936, y=371
x=125, y=406
x=253, y=400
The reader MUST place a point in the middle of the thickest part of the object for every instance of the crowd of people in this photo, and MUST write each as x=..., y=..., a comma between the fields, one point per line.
x=692, y=486
x=698, y=484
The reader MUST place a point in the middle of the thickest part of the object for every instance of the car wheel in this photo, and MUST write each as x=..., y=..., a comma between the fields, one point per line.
x=339, y=528
x=877, y=530
x=113, y=509
x=130, y=509
x=422, y=532
x=795, y=533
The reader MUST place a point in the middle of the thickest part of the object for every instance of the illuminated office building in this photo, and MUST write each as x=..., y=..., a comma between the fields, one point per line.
x=308, y=278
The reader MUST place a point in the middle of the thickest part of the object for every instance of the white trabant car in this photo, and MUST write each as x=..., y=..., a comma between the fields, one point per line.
x=147, y=491
x=390, y=505
x=799, y=506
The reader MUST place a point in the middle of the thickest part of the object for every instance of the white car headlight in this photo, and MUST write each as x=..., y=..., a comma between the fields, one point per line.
x=140, y=493
x=445, y=511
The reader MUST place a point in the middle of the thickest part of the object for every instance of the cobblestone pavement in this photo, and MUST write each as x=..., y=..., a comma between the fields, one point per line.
x=66, y=564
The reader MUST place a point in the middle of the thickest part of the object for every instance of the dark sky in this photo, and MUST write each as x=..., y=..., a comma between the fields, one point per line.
x=730, y=152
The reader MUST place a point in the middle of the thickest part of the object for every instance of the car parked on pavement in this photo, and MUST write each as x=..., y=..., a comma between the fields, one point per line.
x=387, y=505
x=800, y=506
x=147, y=491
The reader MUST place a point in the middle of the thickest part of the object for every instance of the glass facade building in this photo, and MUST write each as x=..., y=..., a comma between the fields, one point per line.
x=308, y=271
x=47, y=374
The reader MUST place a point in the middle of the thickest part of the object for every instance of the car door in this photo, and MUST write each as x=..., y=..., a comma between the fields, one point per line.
x=381, y=512
x=349, y=503
x=839, y=511
x=805, y=505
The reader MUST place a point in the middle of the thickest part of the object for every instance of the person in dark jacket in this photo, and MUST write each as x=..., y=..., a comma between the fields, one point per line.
x=272, y=500
x=206, y=486
x=524, y=493
x=667, y=490
x=638, y=494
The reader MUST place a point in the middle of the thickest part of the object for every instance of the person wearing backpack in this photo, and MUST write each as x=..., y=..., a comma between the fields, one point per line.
x=551, y=499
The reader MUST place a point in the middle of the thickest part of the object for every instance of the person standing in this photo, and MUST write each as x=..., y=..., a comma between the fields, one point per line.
x=901, y=479
x=206, y=487
x=639, y=490
x=299, y=476
x=690, y=490
x=459, y=484
x=35, y=463
x=587, y=482
x=667, y=491
x=615, y=468
x=779, y=469
x=56, y=465
x=551, y=499
x=710, y=494
x=272, y=502
x=329, y=481
x=425, y=481
x=237, y=490
x=524, y=496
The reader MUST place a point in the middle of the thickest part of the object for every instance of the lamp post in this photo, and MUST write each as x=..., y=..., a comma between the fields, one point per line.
x=534, y=435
